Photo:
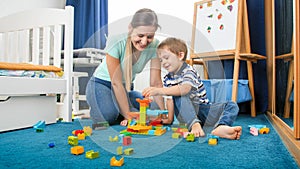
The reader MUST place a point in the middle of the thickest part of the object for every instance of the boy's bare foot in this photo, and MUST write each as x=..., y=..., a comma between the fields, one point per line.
x=224, y=131
x=197, y=130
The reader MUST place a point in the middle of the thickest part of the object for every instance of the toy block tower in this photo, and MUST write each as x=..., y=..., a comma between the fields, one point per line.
x=144, y=104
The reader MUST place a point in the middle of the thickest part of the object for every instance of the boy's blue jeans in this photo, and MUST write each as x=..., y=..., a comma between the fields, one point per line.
x=214, y=114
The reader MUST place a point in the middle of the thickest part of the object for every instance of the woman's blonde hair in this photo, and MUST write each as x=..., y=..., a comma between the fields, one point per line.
x=143, y=17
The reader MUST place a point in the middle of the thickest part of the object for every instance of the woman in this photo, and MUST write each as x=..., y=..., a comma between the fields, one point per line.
x=110, y=91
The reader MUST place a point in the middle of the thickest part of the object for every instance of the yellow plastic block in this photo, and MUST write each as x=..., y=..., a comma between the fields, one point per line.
x=73, y=140
x=115, y=139
x=119, y=150
x=128, y=151
x=87, y=130
x=115, y=162
x=176, y=135
x=91, y=154
x=212, y=141
x=159, y=132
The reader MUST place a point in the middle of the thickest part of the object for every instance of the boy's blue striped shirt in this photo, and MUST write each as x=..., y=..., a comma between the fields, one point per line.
x=188, y=75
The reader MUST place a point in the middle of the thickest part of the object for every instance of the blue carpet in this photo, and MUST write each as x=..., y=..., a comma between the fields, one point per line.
x=28, y=149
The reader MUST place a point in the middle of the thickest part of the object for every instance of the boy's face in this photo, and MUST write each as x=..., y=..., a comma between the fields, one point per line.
x=170, y=61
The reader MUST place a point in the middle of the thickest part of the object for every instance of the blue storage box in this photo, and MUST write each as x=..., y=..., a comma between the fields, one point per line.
x=220, y=90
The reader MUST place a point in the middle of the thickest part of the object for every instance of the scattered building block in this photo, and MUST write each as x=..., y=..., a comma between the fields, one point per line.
x=92, y=154
x=190, y=137
x=115, y=162
x=254, y=131
x=212, y=141
x=77, y=150
x=119, y=150
x=127, y=140
x=51, y=145
x=176, y=135
x=76, y=132
x=73, y=140
x=40, y=125
x=128, y=151
x=264, y=130
x=115, y=139
x=81, y=136
x=87, y=130
x=39, y=130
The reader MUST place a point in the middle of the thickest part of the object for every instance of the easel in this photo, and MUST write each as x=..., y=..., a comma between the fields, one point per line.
x=242, y=50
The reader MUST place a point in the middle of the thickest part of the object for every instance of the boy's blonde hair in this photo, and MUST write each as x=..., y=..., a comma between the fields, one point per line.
x=175, y=46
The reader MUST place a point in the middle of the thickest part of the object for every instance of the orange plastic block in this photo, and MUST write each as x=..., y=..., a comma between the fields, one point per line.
x=264, y=130
x=81, y=136
x=115, y=162
x=77, y=150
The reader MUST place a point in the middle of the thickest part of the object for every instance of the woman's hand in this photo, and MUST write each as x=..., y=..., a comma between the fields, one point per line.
x=152, y=91
x=166, y=121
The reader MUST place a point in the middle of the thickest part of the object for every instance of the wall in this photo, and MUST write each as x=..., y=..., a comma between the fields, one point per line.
x=12, y=6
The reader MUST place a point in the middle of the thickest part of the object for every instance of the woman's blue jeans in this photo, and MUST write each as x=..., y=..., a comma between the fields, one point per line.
x=206, y=114
x=103, y=105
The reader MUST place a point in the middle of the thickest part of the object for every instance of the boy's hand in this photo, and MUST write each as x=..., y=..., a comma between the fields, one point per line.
x=124, y=122
x=152, y=91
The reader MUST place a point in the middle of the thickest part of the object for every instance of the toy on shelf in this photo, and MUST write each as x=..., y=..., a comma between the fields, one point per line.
x=139, y=125
x=116, y=163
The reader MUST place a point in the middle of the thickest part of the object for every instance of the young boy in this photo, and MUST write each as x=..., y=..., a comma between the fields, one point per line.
x=189, y=100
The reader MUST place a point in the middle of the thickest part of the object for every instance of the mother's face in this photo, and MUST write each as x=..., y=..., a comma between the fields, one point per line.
x=142, y=36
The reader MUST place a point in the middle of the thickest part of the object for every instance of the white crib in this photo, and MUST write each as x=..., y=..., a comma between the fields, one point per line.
x=36, y=36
